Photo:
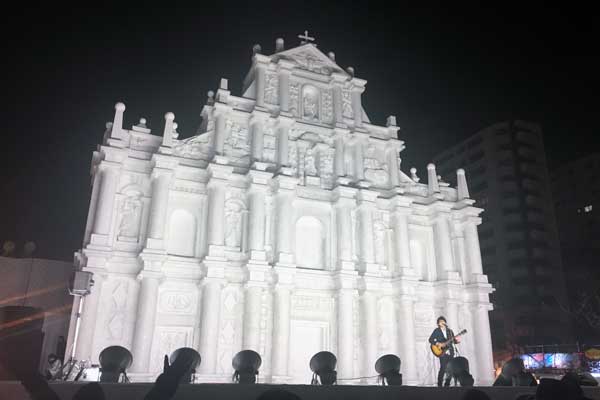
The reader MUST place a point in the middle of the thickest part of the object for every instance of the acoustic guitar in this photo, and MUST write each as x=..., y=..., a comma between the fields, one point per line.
x=438, y=349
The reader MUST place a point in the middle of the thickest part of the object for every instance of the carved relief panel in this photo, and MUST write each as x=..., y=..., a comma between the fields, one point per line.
x=271, y=88
x=166, y=340
x=231, y=327
x=130, y=217
x=375, y=170
x=237, y=143
x=347, y=104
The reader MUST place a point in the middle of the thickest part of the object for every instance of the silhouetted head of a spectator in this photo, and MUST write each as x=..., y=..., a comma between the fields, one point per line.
x=474, y=394
x=551, y=389
x=278, y=394
x=91, y=391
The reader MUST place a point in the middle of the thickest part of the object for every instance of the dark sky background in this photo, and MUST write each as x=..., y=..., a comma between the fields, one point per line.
x=445, y=74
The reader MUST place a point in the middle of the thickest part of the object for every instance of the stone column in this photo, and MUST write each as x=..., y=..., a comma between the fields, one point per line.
x=343, y=215
x=284, y=85
x=358, y=162
x=285, y=226
x=407, y=338
x=473, y=251
x=339, y=157
x=87, y=327
x=484, y=345
x=209, y=326
x=370, y=334
x=394, y=167
x=443, y=250
x=257, y=220
x=345, y=356
x=216, y=214
x=145, y=321
x=257, y=140
x=158, y=205
x=283, y=144
x=260, y=84
x=402, y=242
x=337, y=98
x=252, y=314
x=281, y=331
x=220, y=132
x=452, y=315
x=104, y=208
x=356, y=106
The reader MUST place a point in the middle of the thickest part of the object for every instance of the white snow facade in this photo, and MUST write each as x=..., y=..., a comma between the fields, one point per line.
x=285, y=226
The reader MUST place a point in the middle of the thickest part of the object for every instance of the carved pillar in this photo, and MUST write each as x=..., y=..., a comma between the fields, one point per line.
x=281, y=330
x=87, y=327
x=473, y=251
x=358, y=162
x=402, y=242
x=460, y=257
x=158, y=205
x=407, y=341
x=338, y=80
x=284, y=85
x=394, y=167
x=285, y=225
x=345, y=356
x=484, y=345
x=339, y=157
x=104, y=208
x=365, y=215
x=370, y=333
x=216, y=213
x=443, y=248
x=260, y=83
x=252, y=316
x=283, y=150
x=343, y=215
x=258, y=227
x=257, y=140
x=145, y=321
x=452, y=314
x=220, y=132
x=209, y=326
x=356, y=106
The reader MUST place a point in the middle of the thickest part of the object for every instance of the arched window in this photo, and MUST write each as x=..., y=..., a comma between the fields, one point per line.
x=182, y=234
x=310, y=238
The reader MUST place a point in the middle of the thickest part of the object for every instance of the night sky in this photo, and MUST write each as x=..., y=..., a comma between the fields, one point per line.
x=445, y=74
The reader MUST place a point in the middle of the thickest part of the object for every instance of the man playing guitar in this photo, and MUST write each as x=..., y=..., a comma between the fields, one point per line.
x=439, y=335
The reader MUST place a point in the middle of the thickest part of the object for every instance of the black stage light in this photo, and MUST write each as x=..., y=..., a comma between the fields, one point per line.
x=186, y=356
x=323, y=365
x=388, y=368
x=246, y=364
x=458, y=370
x=114, y=361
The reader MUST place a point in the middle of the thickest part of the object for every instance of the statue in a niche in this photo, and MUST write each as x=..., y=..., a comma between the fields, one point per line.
x=233, y=220
x=130, y=217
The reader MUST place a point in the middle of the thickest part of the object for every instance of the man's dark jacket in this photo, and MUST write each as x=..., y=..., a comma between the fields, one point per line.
x=437, y=336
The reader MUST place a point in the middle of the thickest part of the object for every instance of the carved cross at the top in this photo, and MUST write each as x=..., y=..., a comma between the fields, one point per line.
x=305, y=38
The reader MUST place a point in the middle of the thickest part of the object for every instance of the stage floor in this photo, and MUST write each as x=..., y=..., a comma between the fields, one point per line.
x=136, y=391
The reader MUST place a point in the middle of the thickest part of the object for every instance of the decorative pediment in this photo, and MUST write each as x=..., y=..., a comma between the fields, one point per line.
x=310, y=58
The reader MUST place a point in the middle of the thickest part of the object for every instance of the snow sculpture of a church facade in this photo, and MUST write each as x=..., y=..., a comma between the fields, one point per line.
x=286, y=226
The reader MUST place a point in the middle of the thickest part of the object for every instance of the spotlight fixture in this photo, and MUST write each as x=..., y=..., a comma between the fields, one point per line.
x=114, y=361
x=388, y=368
x=458, y=369
x=186, y=356
x=323, y=365
x=246, y=364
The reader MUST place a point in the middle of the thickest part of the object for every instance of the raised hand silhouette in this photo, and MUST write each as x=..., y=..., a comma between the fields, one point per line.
x=166, y=384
